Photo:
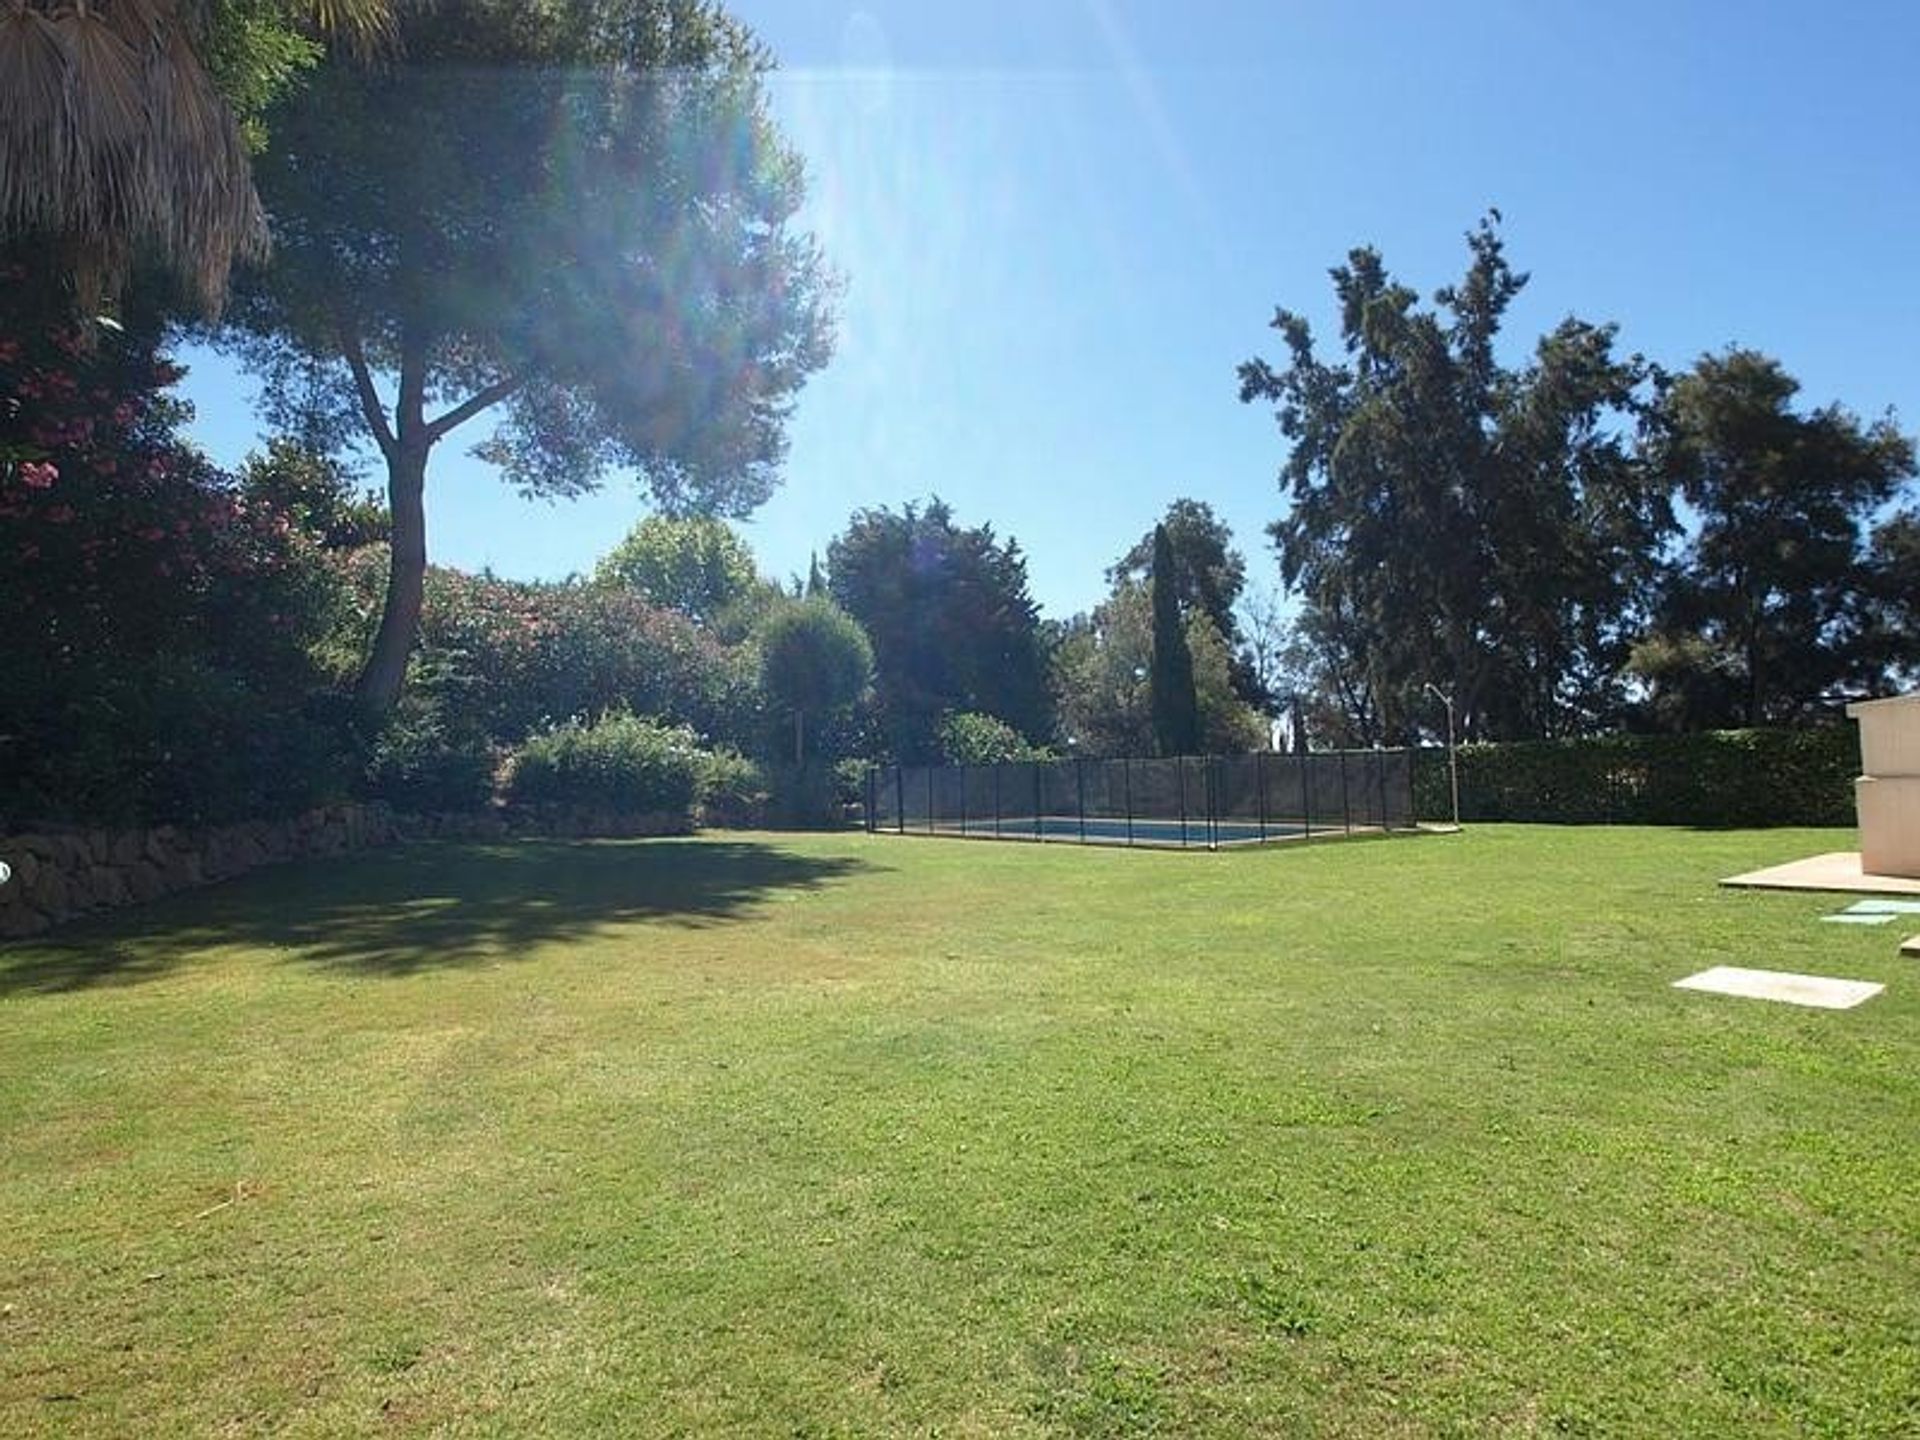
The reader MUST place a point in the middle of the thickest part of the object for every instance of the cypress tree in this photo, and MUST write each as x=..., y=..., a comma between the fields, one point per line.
x=1176, y=709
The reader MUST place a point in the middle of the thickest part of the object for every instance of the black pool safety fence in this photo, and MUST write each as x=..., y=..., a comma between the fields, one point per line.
x=1195, y=801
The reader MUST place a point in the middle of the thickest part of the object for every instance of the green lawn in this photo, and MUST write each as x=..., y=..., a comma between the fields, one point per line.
x=849, y=1135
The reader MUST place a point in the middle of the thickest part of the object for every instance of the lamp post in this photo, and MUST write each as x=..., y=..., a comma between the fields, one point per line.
x=1453, y=762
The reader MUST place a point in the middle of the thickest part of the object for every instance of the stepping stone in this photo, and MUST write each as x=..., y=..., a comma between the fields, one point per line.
x=1910, y=946
x=1847, y=917
x=1884, y=907
x=1816, y=991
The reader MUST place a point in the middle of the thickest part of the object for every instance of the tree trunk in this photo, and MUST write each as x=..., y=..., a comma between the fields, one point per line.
x=378, y=688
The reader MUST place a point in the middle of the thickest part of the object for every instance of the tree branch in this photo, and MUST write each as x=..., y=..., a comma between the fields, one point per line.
x=490, y=395
x=370, y=405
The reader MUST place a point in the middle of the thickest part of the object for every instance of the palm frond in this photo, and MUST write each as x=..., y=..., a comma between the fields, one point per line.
x=112, y=139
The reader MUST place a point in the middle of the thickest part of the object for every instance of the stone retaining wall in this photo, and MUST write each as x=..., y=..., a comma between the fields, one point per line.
x=59, y=874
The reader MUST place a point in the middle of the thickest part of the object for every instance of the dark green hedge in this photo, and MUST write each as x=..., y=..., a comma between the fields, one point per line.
x=1717, y=778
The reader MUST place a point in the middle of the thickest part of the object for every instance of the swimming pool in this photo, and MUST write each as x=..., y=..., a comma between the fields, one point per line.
x=1118, y=830
x=1195, y=802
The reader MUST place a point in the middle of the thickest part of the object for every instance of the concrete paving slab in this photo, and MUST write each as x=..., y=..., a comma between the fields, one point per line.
x=1884, y=907
x=1847, y=917
x=1839, y=870
x=1910, y=945
x=1817, y=991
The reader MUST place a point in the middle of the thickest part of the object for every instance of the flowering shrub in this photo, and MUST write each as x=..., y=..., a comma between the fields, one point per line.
x=619, y=763
x=512, y=657
x=157, y=660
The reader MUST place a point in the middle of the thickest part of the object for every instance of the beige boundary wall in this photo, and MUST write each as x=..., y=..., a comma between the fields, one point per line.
x=1887, y=794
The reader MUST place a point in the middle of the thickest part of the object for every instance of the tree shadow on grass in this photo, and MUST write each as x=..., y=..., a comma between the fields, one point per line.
x=417, y=908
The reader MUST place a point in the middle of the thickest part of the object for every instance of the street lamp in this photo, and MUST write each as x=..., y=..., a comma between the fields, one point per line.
x=1453, y=762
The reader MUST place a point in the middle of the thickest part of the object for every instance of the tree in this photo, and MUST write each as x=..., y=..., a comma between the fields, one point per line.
x=814, y=660
x=1100, y=664
x=1765, y=619
x=574, y=216
x=1176, y=710
x=1101, y=669
x=316, y=492
x=952, y=624
x=1208, y=573
x=1457, y=522
x=1894, y=592
x=694, y=564
x=125, y=129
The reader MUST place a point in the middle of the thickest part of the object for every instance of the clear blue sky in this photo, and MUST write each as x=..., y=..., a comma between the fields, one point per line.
x=1063, y=222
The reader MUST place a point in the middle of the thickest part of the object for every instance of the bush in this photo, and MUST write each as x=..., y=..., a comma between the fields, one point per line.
x=526, y=656
x=734, y=789
x=619, y=763
x=967, y=737
x=808, y=797
x=1714, y=778
x=160, y=661
x=170, y=739
x=422, y=764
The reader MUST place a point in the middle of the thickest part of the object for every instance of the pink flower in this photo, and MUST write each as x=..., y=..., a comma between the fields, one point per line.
x=39, y=474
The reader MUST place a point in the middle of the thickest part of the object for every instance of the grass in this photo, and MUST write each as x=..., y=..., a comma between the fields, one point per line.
x=850, y=1136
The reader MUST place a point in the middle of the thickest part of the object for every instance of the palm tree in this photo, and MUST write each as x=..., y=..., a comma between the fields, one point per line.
x=116, y=140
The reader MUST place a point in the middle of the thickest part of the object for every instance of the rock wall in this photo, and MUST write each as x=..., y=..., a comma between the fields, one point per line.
x=59, y=874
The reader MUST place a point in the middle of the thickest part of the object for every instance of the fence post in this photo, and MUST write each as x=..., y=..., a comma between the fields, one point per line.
x=1126, y=775
x=998, y=766
x=900, y=798
x=1260, y=784
x=1306, y=798
x=873, y=772
x=1180, y=774
x=1039, y=819
x=1380, y=760
x=1346, y=806
x=1209, y=767
x=963, y=797
x=929, y=799
x=1080, y=792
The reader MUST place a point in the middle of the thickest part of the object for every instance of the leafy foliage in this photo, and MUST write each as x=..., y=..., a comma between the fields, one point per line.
x=1456, y=522
x=951, y=621
x=1100, y=676
x=1175, y=710
x=1209, y=575
x=511, y=657
x=693, y=564
x=1713, y=778
x=429, y=759
x=1770, y=616
x=968, y=738
x=814, y=663
x=619, y=763
x=166, y=669
x=587, y=232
